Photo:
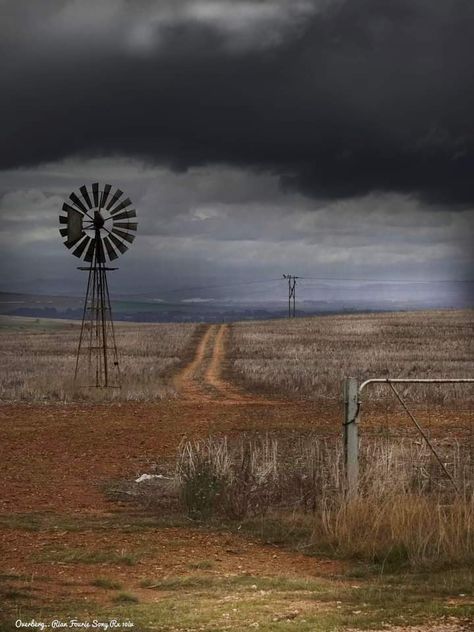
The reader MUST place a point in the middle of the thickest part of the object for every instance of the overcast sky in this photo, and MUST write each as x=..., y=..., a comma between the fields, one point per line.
x=330, y=138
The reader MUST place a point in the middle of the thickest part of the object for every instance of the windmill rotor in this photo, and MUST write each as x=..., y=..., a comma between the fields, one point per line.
x=95, y=222
x=98, y=224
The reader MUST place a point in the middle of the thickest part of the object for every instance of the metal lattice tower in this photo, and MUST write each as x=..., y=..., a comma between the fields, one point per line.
x=291, y=294
x=96, y=225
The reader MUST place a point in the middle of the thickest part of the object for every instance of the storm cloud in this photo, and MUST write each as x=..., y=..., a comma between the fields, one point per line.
x=328, y=138
x=216, y=225
x=337, y=98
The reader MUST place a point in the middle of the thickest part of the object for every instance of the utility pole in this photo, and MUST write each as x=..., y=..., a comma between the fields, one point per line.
x=291, y=294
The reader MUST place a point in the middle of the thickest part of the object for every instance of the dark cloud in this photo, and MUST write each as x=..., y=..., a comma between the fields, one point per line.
x=214, y=225
x=338, y=98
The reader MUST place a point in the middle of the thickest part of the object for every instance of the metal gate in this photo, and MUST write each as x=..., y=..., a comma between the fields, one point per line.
x=432, y=432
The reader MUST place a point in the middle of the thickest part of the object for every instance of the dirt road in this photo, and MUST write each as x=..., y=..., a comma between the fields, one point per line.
x=202, y=380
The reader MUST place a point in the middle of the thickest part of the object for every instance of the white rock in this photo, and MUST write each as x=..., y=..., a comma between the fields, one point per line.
x=151, y=477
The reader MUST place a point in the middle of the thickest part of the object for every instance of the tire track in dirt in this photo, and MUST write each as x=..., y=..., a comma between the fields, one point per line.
x=186, y=381
x=213, y=374
x=202, y=379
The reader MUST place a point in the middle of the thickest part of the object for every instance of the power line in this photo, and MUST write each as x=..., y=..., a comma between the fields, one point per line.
x=430, y=282
x=302, y=278
x=205, y=287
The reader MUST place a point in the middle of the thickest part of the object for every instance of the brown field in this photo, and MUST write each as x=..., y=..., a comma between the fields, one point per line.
x=80, y=539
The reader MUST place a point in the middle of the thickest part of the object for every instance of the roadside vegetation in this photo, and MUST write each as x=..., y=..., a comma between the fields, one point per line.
x=405, y=515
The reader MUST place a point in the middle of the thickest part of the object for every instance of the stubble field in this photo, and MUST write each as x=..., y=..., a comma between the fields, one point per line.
x=310, y=357
x=39, y=356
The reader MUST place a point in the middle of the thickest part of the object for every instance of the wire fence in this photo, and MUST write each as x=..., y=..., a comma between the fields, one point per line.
x=425, y=429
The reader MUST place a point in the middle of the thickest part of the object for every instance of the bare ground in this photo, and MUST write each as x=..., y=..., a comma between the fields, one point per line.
x=57, y=460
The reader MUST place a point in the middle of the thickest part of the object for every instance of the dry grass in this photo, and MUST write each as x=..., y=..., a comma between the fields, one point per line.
x=38, y=360
x=309, y=357
x=399, y=529
x=401, y=515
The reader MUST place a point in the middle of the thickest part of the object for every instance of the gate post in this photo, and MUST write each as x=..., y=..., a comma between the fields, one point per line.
x=351, y=433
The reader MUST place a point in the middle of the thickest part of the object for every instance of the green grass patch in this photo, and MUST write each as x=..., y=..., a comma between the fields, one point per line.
x=276, y=604
x=103, y=582
x=237, y=582
x=5, y=577
x=124, y=597
x=15, y=594
x=23, y=522
x=86, y=556
x=202, y=565
x=292, y=531
x=47, y=521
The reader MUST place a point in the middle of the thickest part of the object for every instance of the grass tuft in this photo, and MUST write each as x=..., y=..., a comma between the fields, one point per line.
x=85, y=556
x=202, y=565
x=103, y=582
x=125, y=598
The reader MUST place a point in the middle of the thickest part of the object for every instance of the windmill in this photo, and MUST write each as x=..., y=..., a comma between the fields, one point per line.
x=95, y=225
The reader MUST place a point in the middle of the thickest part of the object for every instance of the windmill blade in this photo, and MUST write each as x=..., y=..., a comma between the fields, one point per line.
x=77, y=201
x=105, y=195
x=63, y=219
x=127, y=225
x=118, y=244
x=95, y=193
x=116, y=196
x=82, y=246
x=122, y=205
x=110, y=250
x=74, y=225
x=67, y=207
x=69, y=243
x=85, y=195
x=90, y=251
x=124, y=235
x=126, y=214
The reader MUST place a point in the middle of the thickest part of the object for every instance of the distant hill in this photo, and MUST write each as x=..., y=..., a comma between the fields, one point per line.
x=333, y=299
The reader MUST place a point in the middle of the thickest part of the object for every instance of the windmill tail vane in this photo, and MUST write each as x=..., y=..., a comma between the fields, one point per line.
x=95, y=226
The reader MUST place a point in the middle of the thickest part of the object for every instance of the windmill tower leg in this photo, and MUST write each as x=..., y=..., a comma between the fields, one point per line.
x=97, y=329
x=83, y=324
x=111, y=331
